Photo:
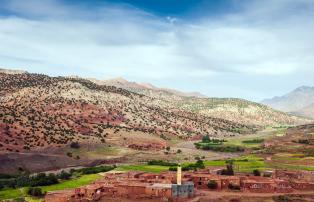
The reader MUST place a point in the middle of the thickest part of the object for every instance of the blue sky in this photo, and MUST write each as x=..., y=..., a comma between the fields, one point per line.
x=222, y=48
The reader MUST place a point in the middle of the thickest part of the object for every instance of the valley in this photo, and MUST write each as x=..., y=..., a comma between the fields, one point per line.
x=244, y=162
x=68, y=124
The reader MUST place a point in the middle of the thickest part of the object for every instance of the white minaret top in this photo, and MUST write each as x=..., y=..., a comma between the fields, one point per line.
x=179, y=175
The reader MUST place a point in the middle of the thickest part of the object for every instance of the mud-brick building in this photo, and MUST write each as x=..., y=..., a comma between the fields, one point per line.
x=201, y=181
x=60, y=196
x=285, y=174
x=132, y=189
x=258, y=186
x=283, y=186
x=302, y=185
x=90, y=192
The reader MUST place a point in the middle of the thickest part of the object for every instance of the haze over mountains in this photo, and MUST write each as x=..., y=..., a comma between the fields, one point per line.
x=144, y=88
x=299, y=102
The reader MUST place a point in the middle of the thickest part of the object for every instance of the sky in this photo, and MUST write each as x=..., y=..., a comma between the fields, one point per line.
x=249, y=49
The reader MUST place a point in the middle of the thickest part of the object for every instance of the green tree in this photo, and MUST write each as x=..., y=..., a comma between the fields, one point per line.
x=256, y=172
x=34, y=191
x=206, y=139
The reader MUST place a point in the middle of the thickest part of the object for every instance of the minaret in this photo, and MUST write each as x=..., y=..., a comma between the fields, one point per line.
x=179, y=175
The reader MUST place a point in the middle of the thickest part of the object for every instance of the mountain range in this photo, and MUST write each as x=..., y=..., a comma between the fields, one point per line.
x=298, y=102
x=41, y=116
x=232, y=109
x=38, y=110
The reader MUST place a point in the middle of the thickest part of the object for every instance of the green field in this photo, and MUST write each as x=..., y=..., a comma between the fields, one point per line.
x=290, y=166
x=265, y=134
x=68, y=184
x=241, y=164
x=11, y=193
x=73, y=183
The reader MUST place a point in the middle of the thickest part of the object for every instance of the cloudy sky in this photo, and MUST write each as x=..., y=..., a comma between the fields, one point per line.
x=222, y=48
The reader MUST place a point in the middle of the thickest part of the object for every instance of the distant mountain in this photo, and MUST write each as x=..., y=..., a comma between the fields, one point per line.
x=10, y=71
x=300, y=102
x=145, y=88
x=232, y=109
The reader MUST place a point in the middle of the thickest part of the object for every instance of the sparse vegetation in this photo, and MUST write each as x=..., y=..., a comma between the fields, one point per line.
x=212, y=184
x=75, y=145
x=161, y=163
x=256, y=172
x=229, y=168
x=214, y=144
x=254, y=141
x=219, y=147
x=199, y=164
x=98, y=169
x=234, y=186
x=35, y=191
x=146, y=168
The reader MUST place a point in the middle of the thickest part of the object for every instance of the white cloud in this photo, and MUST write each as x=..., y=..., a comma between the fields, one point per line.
x=263, y=38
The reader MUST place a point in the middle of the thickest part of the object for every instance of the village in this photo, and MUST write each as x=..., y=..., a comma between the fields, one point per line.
x=184, y=186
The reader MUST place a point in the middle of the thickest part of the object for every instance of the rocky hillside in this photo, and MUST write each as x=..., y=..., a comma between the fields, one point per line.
x=300, y=102
x=38, y=111
x=240, y=111
x=232, y=109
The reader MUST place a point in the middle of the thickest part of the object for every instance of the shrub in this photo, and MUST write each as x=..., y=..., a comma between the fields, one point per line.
x=161, y=163
x=200, y=164
x=99, y=169
x=229, y=168
x=212, y=184
x=234, y=186
x=42, y=179
x=22, y=181
x=192, y=166
x=75, y=145
x=6, y=176
x=206, y=139
x=256, y=172
x=254, y=141
x=219, y=147
x=64, y=175
x=34, y=191
x=173, y=169
x=303, y=141
x=282, y=198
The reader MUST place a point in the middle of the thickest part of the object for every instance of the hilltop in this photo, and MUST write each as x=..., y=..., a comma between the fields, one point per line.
x=299, y=101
